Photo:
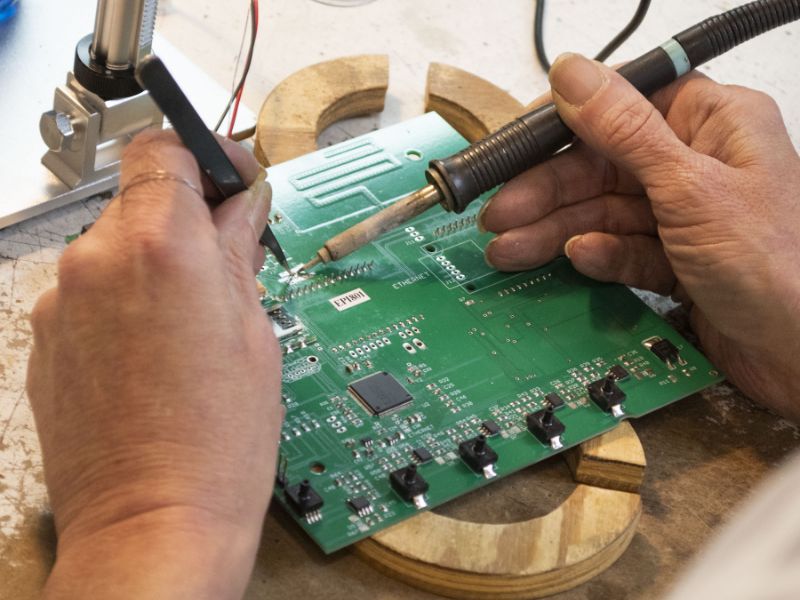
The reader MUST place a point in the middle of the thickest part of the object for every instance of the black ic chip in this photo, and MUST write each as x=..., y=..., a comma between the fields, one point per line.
x=619, y=372
x=360, y=505
x=380, y=393
x=490, y=427
x=554, y=400
x=421, y=455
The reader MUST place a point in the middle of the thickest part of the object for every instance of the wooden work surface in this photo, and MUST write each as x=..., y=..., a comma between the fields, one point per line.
x=704, y=454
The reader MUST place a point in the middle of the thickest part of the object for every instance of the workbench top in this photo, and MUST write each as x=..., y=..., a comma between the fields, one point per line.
x=704, y=453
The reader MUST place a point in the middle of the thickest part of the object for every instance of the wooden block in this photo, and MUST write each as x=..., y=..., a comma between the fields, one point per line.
x=473, y=106
x=614, y=460
x=309, y=100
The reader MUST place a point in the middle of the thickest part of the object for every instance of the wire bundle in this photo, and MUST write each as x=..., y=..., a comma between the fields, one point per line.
x=236, y=96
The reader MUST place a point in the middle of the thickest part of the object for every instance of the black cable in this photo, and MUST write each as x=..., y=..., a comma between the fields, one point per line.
x=247, y=62
x=619, y=39
x=538, y=37
x=627, y=31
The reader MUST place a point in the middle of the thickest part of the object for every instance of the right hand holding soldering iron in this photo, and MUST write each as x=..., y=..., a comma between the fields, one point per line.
x=694, y=195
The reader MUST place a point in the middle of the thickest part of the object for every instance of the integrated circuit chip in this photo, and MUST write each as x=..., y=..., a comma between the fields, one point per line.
x=380, y=393
x=554, y=399
x=490, y=427
x=421, y=455
x=360, y=505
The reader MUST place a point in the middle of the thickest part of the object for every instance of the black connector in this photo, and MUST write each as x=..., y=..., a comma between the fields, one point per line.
x=607, y=395
x=546, y=427
x=409, y=485
x=303, y=499
x=479, y=456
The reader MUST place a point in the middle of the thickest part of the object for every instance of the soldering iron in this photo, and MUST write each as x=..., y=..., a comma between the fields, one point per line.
x=536, y=136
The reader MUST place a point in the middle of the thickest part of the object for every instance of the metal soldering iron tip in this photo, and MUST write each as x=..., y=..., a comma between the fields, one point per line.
x=310, y=264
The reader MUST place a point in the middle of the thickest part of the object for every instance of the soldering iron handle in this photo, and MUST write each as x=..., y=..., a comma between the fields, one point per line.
x=536, y=136
x=528, y=140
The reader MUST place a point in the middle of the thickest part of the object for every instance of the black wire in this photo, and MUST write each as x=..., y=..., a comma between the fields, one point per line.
x=627, y=32
x=538, y=37
x=619, y=39
x=246, y=69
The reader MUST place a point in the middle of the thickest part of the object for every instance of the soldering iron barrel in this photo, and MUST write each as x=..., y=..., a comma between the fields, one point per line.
x=123, y=32
x=106, y=60
x=514, y=148
x=539, y=134
x=718, y=34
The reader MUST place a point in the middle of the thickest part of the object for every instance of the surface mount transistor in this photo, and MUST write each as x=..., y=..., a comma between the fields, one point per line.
x=667, y=352
x=380, y=393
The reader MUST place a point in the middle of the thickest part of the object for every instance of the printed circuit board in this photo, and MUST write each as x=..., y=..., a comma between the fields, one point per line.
x=414, y=372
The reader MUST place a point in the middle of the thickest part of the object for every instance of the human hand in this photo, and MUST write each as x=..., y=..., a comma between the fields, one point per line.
x=155, y=385
x=694, y=195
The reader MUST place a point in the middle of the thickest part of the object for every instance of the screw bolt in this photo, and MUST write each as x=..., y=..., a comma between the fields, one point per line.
x=57, y=130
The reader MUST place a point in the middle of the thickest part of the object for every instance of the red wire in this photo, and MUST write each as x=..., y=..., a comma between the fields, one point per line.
x=241, y=89
x=235, y=112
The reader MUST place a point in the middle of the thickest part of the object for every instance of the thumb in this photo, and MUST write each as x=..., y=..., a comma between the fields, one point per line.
x=241, y=219
x=612, y=117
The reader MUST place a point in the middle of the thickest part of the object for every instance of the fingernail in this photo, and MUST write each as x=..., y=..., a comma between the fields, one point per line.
x=479, y=222
x=576, y=78
x=260, y=201
x=486, y=253
x=570, y=242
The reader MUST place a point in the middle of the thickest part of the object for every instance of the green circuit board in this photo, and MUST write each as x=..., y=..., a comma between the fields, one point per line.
x=408, y=349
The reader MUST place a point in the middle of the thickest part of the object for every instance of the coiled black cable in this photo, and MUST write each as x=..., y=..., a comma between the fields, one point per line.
x=718, y=34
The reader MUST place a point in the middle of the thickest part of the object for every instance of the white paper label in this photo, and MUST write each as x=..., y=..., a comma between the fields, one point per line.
x=349, y=299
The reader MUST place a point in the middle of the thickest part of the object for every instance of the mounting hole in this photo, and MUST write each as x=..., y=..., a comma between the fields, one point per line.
x=429, y=248
x=414, y=155
x=470, y=287
x=317, y=468
x=312, y=359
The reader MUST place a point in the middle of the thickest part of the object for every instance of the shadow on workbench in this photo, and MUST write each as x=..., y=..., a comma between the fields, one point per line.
x=27, y=558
